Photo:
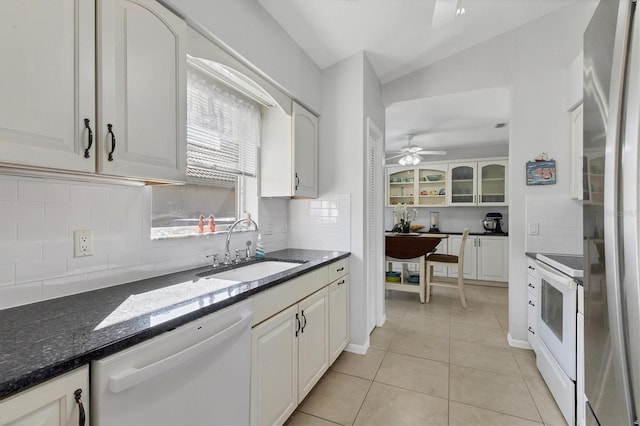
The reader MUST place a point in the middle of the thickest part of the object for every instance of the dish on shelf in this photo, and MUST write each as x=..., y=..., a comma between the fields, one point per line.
x=434, y=178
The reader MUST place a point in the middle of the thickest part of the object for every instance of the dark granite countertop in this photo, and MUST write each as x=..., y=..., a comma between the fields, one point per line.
x=533, y=255
x=504, y=234
x=42, y=340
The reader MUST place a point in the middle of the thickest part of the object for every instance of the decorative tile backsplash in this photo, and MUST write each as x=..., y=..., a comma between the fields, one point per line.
x=37, y=220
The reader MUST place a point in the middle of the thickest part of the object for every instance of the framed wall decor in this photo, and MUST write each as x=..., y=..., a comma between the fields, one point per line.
x=541, y=172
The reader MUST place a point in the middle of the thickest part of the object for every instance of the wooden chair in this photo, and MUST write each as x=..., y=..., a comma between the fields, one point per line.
x=436, y=259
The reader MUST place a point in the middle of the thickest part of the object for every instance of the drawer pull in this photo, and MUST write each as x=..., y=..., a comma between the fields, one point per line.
x=531, y=267
x=81, y=414
x=531, y=285
x=340, y=269
x=531, y=330
x=531, y=303
x=341, y=282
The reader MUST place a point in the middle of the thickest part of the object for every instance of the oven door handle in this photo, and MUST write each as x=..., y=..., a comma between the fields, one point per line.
x=557, y=277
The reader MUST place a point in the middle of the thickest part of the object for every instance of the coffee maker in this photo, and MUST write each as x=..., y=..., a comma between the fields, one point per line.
x=493, y=223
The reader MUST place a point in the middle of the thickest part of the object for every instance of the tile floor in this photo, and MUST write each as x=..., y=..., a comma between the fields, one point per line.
x=435, y=364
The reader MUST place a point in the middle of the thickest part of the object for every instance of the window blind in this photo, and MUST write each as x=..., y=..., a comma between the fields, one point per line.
x=223, y=132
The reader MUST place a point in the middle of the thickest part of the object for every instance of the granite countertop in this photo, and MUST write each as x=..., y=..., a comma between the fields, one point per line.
x=534, y=255
x=504, y=234
x=42, y=340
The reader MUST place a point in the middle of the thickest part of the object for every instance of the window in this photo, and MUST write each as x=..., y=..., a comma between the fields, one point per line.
x=223, y=135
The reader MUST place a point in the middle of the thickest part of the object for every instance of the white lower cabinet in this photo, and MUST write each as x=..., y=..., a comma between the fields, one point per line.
x=532, y=296
x=486, y=258
x=289, y=355
x=52, y=403
x=338, y=317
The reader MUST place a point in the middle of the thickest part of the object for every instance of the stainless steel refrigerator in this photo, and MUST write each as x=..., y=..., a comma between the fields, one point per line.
x=611, y=221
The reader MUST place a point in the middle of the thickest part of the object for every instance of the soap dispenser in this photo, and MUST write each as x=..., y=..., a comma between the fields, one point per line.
x=259, y=248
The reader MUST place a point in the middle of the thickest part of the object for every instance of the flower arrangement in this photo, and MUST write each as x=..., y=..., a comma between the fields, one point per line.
x=403, y=217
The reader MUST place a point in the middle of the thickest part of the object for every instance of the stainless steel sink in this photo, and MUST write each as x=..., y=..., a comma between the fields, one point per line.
x=252, y=272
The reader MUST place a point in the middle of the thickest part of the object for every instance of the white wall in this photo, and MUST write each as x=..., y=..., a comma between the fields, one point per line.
x=532, y=61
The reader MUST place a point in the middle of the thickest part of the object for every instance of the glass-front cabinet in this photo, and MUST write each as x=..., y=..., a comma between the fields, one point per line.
x=432, y=183
x=463, y=186
x=492, y=183
x=401, y=187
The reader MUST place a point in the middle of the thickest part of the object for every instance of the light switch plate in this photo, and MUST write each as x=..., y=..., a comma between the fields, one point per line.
x=533, y=228
x=82, y=243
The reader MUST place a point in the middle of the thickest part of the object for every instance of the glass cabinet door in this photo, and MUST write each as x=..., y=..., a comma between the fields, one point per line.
x=492, y=186
x=401, y=187
x=463, y=184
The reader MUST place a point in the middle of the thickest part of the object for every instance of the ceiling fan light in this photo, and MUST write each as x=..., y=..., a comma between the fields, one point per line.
x=416, y=159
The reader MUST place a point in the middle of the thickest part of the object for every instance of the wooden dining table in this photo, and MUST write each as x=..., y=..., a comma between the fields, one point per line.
x=410, y=248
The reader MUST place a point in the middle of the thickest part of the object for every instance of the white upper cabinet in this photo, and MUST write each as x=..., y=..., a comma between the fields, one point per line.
x=47, y=83
x=305, y=149
x=65, y=54
x=478, y=183
x=141, y=90
x=289, y=153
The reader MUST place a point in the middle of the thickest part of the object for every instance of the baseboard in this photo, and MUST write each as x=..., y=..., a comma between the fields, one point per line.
x=517, y=343
x=358, y=349
x=382, y=320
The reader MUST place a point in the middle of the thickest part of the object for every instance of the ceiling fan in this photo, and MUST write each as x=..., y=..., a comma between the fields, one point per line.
x=410, y=154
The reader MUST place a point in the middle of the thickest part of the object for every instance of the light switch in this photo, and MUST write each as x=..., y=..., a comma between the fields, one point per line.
x=533, y=228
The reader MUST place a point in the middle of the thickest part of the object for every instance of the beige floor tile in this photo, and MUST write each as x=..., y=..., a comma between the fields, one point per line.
x=337, y=398
x=493, y=391
x=436, y=307
x=551, y=414
x=483, y=319
x=386, y=405
x=416, y=374
x=478, y=334
x=503, y=319
x=364, y=366
x=476, y=294
x=427, y=326
x=467, y=415
x=489, y=358
x=419, y=345
x=303, y=419
x=526, y=360
x=381, y=337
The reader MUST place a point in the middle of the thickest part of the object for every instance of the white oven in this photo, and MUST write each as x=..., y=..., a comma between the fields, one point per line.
x=556, y=312
x=556, y=316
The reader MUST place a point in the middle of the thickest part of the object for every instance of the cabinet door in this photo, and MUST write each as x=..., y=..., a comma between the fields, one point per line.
x=274, y=368
x=305, y=153
x=47, y=83
x=493, y=183
x=338, y=317
x=313, y=341
x=470, y=256
x=462, y=189
x=493, y=258
x=51, y=403
x=141, y=90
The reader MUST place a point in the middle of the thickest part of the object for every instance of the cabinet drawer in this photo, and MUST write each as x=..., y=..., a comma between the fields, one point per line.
x=338, y=269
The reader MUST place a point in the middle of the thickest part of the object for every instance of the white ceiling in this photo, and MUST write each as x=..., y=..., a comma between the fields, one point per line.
x=402, y=36
x=398, y=35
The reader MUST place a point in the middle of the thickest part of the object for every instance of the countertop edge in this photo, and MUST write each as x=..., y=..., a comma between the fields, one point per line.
x=42, y=374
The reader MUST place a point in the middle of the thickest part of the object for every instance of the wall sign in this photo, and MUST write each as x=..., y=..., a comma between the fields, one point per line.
x=541, y=172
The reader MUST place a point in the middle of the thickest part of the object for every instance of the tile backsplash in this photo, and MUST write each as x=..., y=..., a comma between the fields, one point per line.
x=37, y=220
x=323, y=223
x=559, y=222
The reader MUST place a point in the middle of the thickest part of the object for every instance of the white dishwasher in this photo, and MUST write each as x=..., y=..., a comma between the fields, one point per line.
x=197, y=374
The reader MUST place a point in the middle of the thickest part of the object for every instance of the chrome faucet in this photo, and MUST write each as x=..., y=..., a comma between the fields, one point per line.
x=227, y=255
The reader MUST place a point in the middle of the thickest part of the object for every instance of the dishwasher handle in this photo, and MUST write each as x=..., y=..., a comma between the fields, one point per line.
x=130, y=377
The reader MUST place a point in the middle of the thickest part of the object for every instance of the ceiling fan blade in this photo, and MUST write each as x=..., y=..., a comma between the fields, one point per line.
x=424, y=152
x=395, y=156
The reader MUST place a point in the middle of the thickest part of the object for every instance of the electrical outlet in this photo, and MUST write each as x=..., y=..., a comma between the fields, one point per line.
x=83, y=243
